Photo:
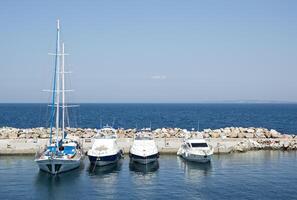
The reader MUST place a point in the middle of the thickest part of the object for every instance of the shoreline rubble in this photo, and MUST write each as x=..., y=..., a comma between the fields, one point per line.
x=224, y=140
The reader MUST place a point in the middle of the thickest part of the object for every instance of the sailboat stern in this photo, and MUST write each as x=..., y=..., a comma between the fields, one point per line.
x=56, y=166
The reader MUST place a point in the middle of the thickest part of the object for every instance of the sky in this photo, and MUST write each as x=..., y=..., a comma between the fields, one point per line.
x=151, y=51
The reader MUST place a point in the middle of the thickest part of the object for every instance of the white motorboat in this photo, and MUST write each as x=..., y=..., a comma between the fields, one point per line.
x=62, y=154
x=196, y=150
x=105, y=150
x=144, y=149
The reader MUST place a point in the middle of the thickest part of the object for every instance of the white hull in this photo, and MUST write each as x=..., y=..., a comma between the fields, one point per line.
x=57, y=165
x=197, y=158
x=143, y=150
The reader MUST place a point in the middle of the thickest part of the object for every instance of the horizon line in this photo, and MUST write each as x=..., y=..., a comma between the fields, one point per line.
x=199, y=102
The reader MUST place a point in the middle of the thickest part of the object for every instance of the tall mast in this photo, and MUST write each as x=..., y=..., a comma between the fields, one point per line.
x=63, y=92
x=58, y=82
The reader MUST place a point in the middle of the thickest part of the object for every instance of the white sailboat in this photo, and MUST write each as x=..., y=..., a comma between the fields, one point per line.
x=62, y=154
x=144, y=149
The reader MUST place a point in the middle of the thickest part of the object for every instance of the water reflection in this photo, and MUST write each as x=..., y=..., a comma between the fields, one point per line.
x=194, y=170
x=144, y=169
x=48, y=184
x=44, y=177
x=104, y=170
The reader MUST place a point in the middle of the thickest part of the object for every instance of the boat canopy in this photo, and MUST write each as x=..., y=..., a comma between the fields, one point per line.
x=51, y=148
x=69, y=150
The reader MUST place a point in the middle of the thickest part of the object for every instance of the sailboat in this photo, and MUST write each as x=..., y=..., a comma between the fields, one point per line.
x=61, y=154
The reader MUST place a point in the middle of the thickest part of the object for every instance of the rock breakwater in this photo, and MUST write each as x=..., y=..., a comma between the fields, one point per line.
x=224, y=140
x=228, y=132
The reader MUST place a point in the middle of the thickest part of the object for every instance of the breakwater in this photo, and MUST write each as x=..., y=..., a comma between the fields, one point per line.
x=224, y=140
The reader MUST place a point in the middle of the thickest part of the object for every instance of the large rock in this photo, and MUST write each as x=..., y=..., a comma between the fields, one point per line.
x=13, y=135
x=267, y=134
x=233, y=134
x=3, y=135
x=214, y=134
x=240, y=135
x=275, y=134
x=286, y=136
x=226, y=131
x=88, y=135
x=22, y=136
x=250, y=130
x=248, y=135
x=259, y=134
x=207, y=130
x=44, y=135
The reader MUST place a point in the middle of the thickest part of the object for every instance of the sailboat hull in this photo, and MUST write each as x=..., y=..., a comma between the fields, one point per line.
x=57, y=165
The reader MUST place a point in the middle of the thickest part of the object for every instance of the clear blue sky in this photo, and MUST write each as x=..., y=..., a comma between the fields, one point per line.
x=152, y=51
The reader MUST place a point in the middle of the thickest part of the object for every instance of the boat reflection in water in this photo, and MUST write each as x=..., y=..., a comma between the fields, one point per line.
x=55, y=186
x=144, y=169
x=103, y=170
x=193, y=170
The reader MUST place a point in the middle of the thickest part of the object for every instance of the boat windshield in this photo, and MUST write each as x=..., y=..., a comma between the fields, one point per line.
x=143, y=138
x=195, y=145
x=101, y=136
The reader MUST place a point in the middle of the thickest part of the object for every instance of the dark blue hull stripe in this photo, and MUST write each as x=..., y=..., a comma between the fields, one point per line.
x=146, y=157
x=105, y=158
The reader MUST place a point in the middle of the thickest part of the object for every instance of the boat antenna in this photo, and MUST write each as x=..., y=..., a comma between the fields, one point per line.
x=198, y=125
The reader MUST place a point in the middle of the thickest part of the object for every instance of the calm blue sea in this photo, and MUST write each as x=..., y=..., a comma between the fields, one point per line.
x=282, y=117
x=251, y=175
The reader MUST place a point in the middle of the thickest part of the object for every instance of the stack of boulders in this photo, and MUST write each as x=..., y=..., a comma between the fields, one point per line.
x=228, y=132
x=239, y=132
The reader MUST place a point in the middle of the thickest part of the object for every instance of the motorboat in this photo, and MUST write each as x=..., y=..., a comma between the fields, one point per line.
x=105, y=150
x=144, y=149
x=196, y=150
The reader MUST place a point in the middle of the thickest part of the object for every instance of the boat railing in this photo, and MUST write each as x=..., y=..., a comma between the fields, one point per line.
x=40, y=151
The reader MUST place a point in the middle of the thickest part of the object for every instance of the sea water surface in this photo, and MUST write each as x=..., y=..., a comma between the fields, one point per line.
x=282, y=117
x=251, y=175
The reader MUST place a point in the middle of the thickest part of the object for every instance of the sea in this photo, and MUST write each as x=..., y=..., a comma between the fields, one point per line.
x=281, y=117
x=250, y=175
